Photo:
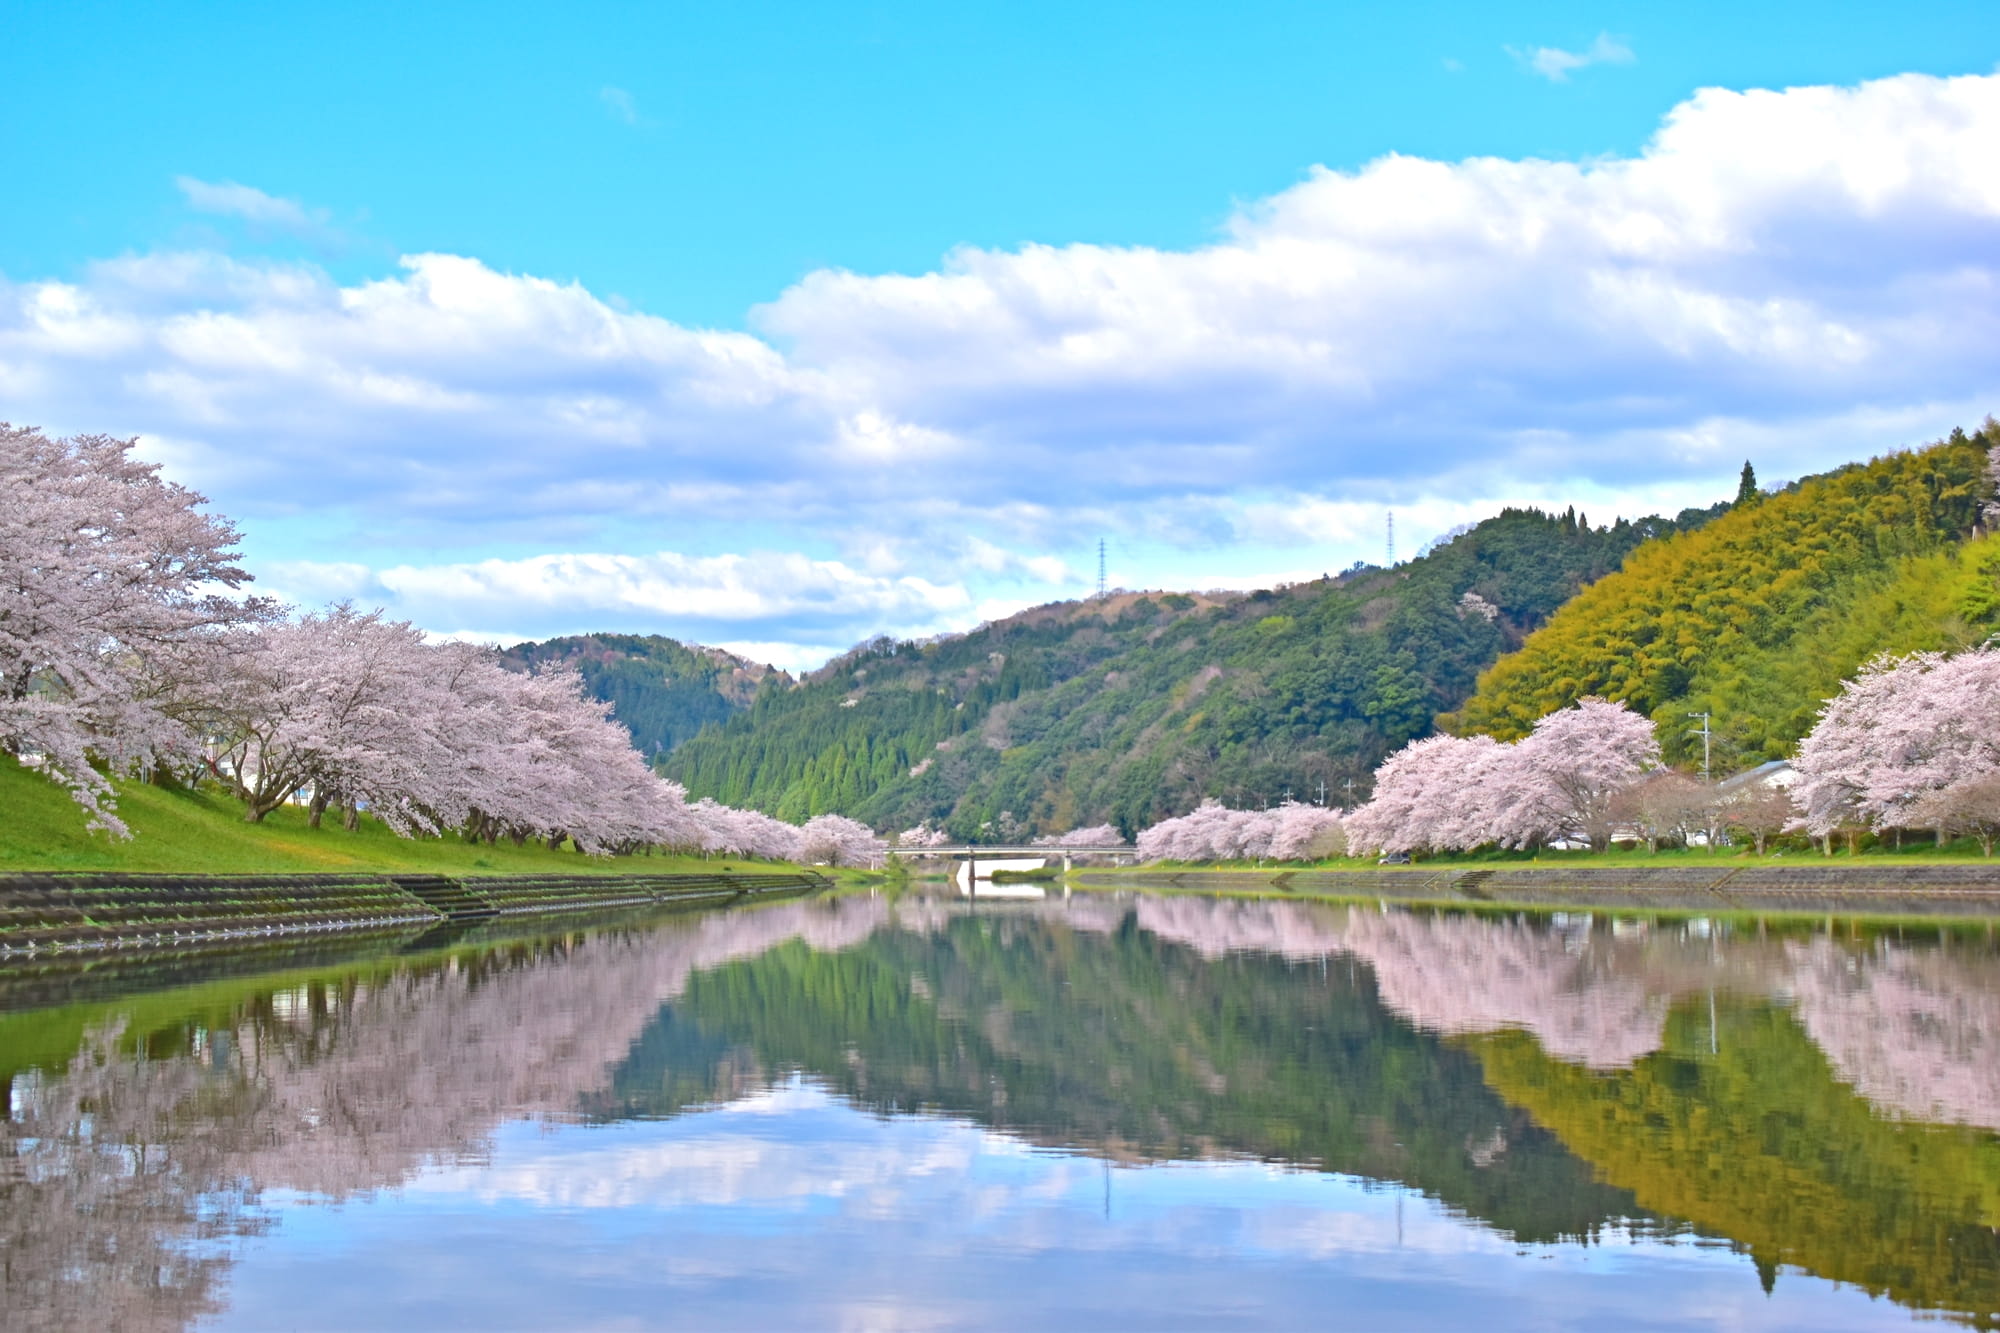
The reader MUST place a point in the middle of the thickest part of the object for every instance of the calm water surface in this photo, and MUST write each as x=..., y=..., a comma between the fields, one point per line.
x=1133, y=1112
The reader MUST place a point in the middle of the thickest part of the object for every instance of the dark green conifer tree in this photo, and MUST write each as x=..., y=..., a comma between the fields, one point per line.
x=1746, y=489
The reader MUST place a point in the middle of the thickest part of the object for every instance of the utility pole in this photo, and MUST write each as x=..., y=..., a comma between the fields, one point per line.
x=1706, y=736
x=1348, y=787
x=1322, y=792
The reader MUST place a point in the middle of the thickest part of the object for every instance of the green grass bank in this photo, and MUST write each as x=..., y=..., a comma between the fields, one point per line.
x=202, y=832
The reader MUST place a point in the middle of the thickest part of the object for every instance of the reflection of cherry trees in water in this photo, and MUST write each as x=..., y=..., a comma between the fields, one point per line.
x=124, y=1177
x=1448, y=973
x=117, y=1183
x=1915, y=1030
x=119, y=1174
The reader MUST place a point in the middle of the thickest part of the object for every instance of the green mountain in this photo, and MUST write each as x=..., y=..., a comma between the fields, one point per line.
x=663, y=691
x=1135, y=707
x=1758, y=617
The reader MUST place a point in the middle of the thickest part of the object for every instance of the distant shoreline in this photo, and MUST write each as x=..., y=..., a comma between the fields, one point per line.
x=1922, y=890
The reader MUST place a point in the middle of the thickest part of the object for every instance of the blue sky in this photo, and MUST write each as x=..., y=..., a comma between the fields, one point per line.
x=779, y=325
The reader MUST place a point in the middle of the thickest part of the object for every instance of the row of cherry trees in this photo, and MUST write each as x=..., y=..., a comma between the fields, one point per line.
x=1559, y=783
x=126, y=644
x=1213, y=832
x=1912, y=743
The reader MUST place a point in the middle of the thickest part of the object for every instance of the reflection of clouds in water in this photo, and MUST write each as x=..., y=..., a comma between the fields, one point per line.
x=929, y=1222
x=726, y=1167
x=334, y=1093
x=824, y=1158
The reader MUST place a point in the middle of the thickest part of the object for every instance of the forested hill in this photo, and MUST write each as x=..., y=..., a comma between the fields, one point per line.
x=1138, y=706
x=662, y=690
x=1758, y=617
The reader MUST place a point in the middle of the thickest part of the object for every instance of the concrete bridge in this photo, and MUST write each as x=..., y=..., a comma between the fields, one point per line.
x=973, y=854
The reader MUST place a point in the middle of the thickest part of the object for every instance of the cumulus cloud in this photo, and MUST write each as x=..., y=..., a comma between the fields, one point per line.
x=1555, y=64
x=1800, y=276
x=779, y=607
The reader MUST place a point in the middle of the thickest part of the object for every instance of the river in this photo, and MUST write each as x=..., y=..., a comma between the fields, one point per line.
x=1129, y=1110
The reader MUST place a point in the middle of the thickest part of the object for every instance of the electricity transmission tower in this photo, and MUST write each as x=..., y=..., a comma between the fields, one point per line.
x=1389, y=560
x=1100, y=569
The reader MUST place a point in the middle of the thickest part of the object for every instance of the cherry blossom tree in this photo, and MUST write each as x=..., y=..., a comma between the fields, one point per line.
x=1761, y=811
x=1213, y=832
x=1910, y=742
x=1452, y=793
x=1435, y=794
x=836, y=840
x=1970, y=805
x=328, y=701
x=1568, y=770
x=113, y=586
x=1205, y=833
x=1665, y=806
x=1302, y=832
x=746, y=832
x=922, y=836
x=1097, y=835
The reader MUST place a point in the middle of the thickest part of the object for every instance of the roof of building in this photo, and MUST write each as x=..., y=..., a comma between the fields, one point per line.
x=1762, y=773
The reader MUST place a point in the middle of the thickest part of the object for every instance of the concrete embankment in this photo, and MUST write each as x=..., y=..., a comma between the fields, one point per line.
x=1910, y=890
x=53, y=912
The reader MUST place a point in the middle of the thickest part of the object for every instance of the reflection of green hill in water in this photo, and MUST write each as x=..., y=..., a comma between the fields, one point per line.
x=1759, y=1143
x=1127, y=1045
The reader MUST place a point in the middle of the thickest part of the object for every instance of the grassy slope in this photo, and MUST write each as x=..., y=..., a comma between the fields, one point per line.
x=40, y=829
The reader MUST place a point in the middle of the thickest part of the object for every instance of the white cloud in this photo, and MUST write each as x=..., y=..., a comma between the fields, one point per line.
x=798, y=611
x=622, y=106
x=263, y=212
x=1555, y=64
x=1801, y=277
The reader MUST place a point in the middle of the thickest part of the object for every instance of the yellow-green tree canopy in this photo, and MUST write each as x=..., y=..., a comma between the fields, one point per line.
x=1757, y=616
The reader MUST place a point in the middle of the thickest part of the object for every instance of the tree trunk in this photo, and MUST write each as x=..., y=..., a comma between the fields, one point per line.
x=316, y=807
x=350, y=816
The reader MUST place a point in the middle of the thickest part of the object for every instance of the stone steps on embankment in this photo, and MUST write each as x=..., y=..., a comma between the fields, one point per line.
x=44, y=911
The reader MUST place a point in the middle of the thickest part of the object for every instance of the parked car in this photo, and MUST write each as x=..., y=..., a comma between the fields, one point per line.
x=1394, y=859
